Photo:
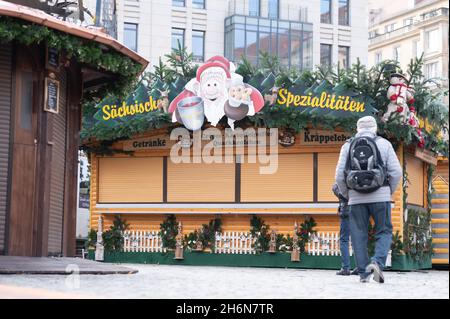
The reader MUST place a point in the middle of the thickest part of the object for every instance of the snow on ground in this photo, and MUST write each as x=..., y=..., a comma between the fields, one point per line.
x=164, y=281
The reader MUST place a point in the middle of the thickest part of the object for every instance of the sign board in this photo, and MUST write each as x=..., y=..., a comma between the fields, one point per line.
x=148, y=143
x=51, y=95
x=314, y=137
x=52, y=59
x=426, y=156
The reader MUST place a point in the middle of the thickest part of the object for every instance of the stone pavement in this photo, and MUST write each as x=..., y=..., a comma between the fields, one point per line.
x=58, y=266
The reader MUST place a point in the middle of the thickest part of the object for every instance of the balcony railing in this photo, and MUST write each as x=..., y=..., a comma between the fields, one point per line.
x=401, y=31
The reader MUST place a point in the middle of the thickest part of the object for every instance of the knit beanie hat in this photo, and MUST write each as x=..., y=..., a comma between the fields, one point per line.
x=367, y=123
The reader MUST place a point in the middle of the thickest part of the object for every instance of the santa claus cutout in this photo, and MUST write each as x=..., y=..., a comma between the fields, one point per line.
x=215, y=92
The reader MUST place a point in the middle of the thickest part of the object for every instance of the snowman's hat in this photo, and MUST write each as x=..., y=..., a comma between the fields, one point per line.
x=398, y=75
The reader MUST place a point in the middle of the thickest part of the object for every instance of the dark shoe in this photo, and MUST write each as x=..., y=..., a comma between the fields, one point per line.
x=343, y=272
x=365, y=277
x=377, y=273
x=355, y=272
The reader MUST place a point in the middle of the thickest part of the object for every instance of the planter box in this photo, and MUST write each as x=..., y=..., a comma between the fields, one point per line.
x=268, y=260
x=406, y=263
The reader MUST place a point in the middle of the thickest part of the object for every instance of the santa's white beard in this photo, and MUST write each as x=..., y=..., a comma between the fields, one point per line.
x=214, y=110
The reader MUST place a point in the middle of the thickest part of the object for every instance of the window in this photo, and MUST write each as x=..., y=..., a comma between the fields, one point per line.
x=407, y=22
x=431, y=70
x=389, y=27
x=290, y=41
x=396, y=54
x=344, y=12
x=199, y=4
x=325, y=11
x=325, y=54
x=130, y=31
x=344, y=57
x=416, y=51
x=177, y=38
x=378, y=57
x=198, y=45
x=432, y=40
x=178, y=3
x=273, y=9
x=253, y=9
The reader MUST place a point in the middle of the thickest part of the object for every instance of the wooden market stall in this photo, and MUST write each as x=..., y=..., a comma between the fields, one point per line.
x=44, y=73
x=137, y=182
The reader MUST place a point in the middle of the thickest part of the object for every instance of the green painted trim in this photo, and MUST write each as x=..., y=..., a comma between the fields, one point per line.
x=267, y=260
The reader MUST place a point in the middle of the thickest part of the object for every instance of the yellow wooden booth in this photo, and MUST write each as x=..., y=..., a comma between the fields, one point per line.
x=144, y=186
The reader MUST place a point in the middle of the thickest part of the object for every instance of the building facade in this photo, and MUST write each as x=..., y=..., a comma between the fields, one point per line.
x=302, y=33
x=407, y=30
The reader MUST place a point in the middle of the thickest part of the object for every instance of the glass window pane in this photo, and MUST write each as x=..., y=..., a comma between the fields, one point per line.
x=239, y=44
x=432, y=38
x=343, y=12
x=325, y=54
x=178, y=3
x=396, y=54
x=307, y=47
x=130, y=35
x=325, y=11
x=253, y=8
x=295, y=49
x=264, y=42
x=273, y=9
x=283, y=46
x=251, y=46
x=177, y=38
x=198, y=45
x=344, y=56
x=199, y=4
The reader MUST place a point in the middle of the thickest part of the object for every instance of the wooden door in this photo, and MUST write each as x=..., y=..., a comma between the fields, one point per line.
x=22, y=212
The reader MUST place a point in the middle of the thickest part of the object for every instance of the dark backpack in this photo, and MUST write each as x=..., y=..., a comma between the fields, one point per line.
x=365, y=171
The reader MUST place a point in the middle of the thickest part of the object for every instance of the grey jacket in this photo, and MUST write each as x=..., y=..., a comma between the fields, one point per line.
x=394, y=170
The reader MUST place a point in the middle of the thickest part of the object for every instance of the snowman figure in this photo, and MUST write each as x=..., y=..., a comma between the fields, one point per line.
x=400, y=96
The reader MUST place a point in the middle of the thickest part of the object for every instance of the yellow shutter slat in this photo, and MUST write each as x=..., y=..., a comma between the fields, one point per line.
x=327, y=167
x=293, y=181
x=414, y=168
x=200, y=182
x=130, y=180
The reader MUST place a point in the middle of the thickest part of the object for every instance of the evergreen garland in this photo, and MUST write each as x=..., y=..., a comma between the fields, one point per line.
x=260, y=232
x=85, y=51
x=365, y=84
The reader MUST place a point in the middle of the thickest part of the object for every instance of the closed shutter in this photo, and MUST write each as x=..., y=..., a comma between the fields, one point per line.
x=292, y=182
x=57, y=172
x=200, y=182
x=414, y=169
x=5, y=119
x=326, y=163
x=130, y=180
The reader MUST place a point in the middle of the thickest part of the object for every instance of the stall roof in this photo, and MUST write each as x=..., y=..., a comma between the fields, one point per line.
x=42, y=18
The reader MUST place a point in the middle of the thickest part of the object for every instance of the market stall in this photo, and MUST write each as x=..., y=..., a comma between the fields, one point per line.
x=228, y=207
x=46, y=67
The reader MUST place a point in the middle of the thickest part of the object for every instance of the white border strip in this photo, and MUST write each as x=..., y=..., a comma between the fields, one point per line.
x=254, y=206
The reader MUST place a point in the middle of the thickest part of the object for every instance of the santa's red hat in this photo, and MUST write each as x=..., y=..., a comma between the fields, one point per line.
x=215, y=61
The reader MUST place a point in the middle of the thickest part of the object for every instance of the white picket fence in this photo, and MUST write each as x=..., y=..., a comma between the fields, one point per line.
x=325, y=244
x=142, y=241
x=234, y=243
x=321, y=244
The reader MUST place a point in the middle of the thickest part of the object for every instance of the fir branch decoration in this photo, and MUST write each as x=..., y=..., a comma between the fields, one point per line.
x=88, y=52
x=169, y=231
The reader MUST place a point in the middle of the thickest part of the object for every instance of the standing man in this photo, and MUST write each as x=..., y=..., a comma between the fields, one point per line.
x=367, y=173
x=344, y=234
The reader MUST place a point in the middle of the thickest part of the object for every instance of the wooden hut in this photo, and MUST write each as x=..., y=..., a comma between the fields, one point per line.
x=41, y=87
